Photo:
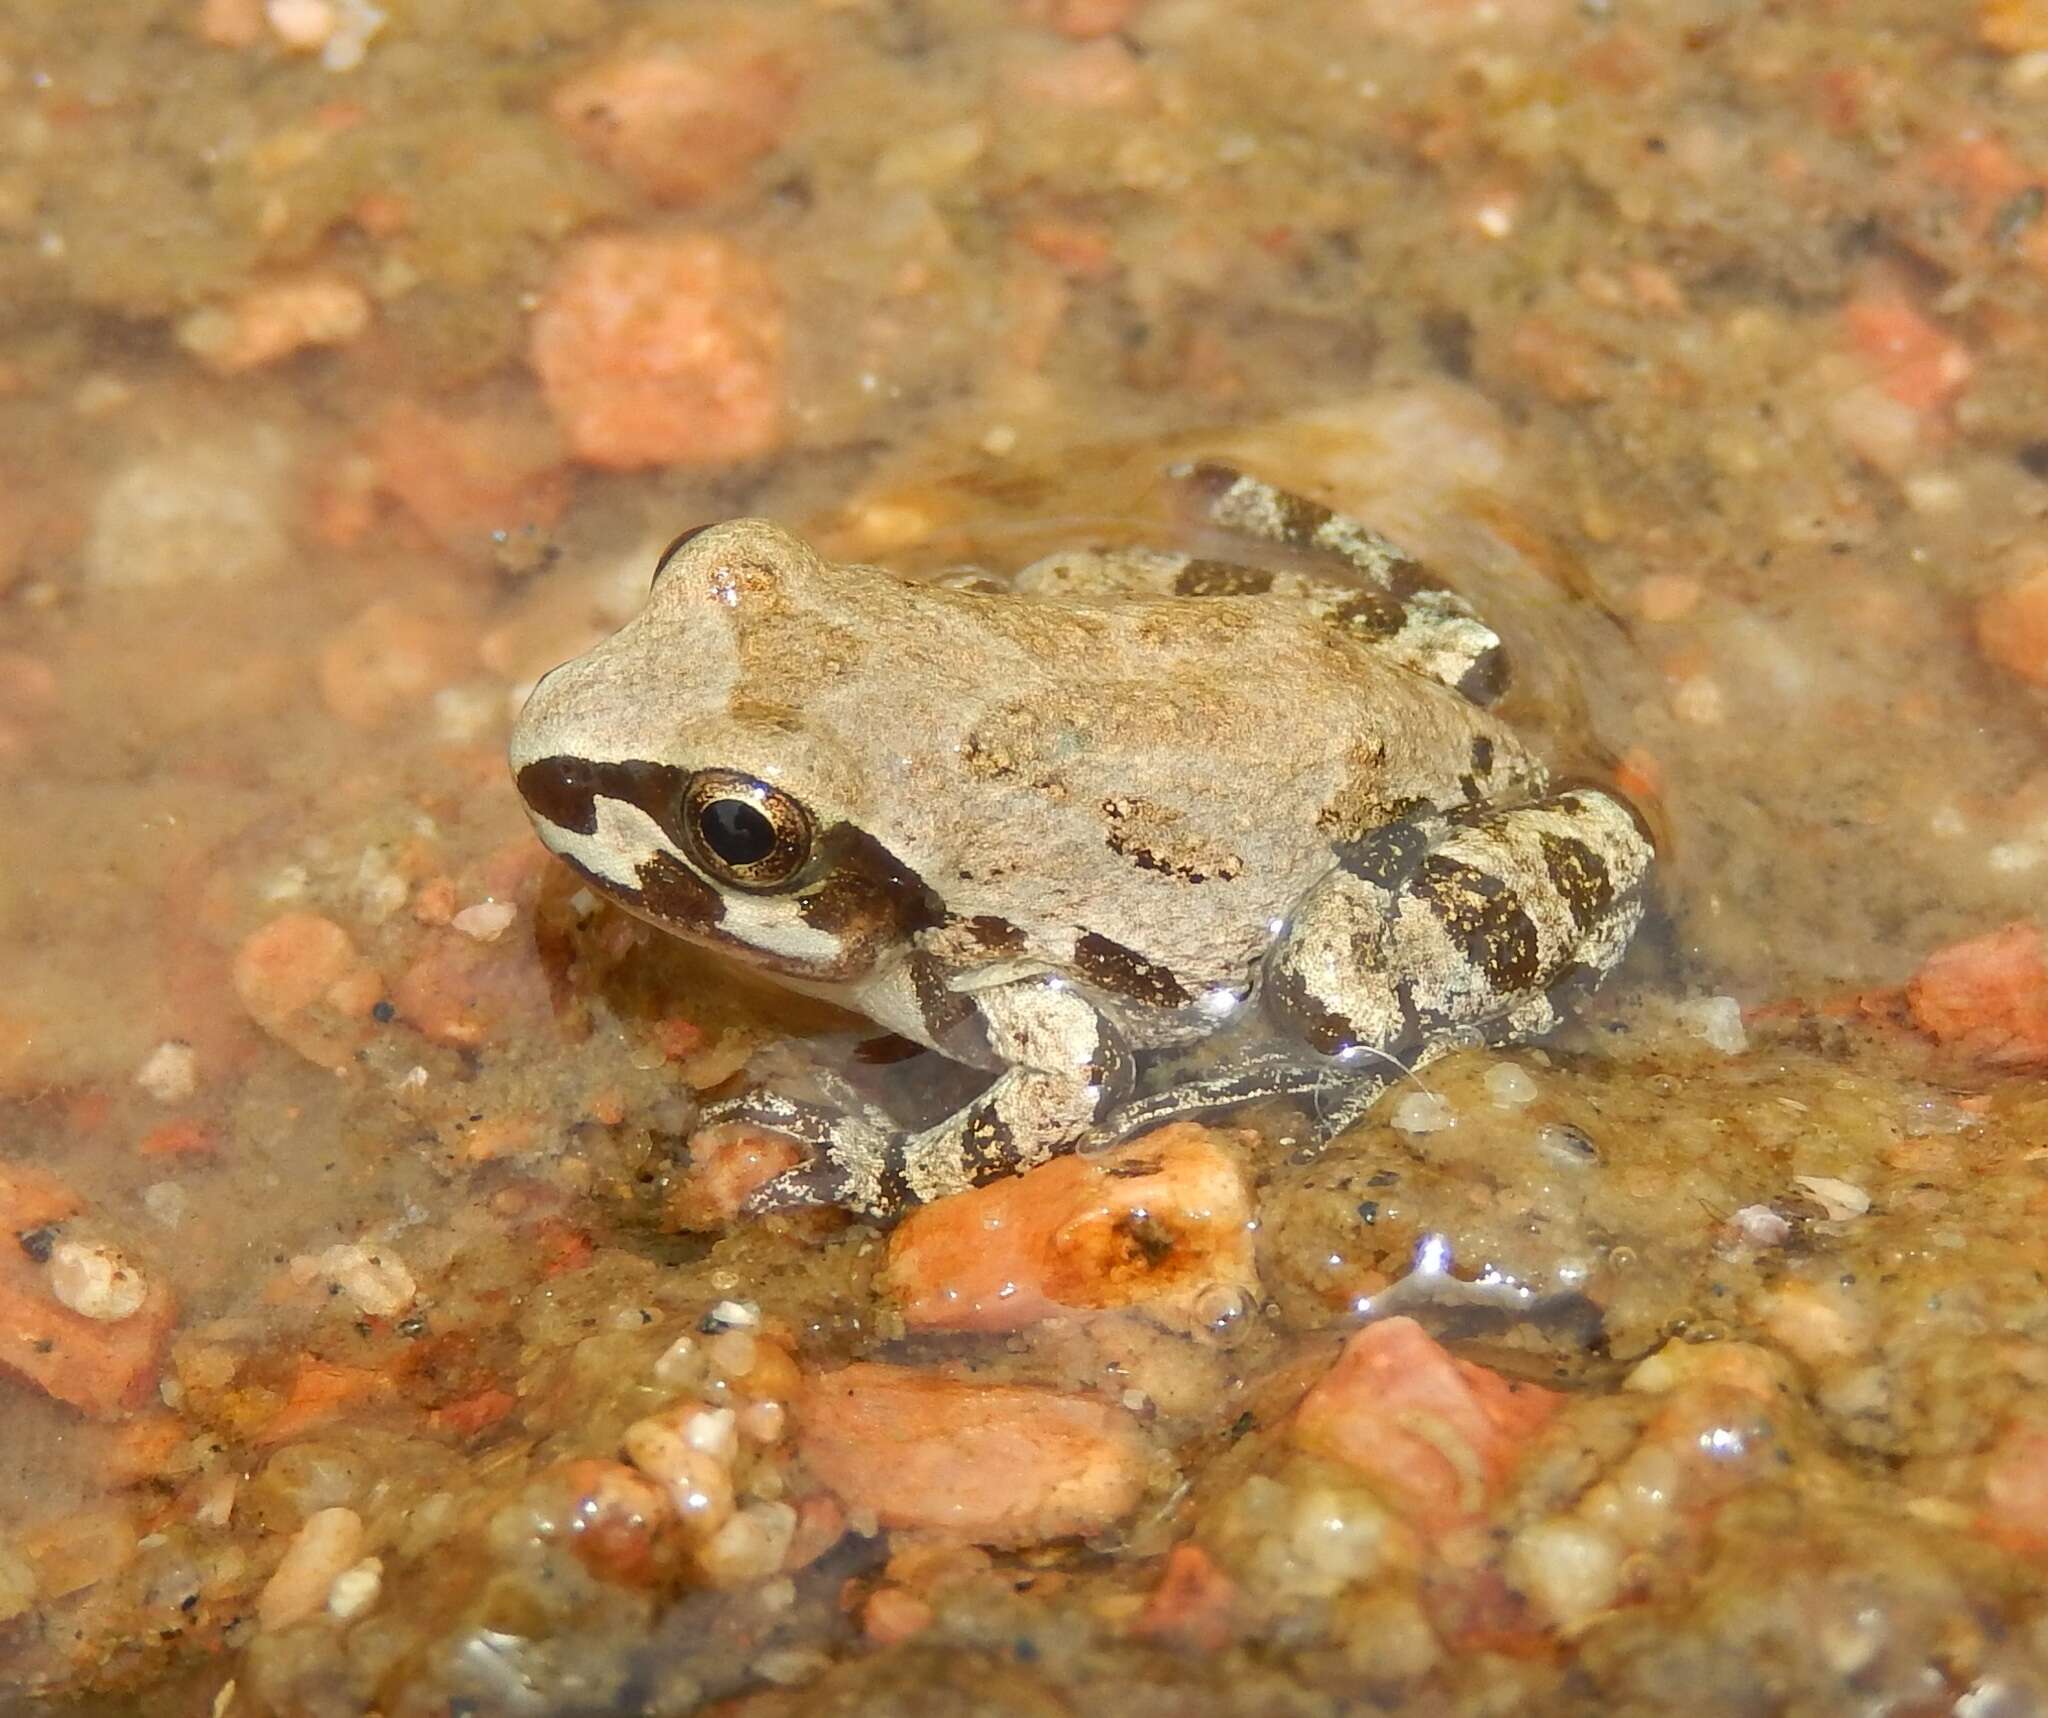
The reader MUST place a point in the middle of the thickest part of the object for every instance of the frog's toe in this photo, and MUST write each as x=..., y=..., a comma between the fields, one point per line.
x=807, y=1124
x=809, y=1186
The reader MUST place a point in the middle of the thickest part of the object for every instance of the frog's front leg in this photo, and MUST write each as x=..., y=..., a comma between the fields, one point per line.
x=1458, y=927
x=1065, y=1067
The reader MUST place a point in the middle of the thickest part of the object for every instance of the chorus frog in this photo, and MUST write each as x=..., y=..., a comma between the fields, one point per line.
x=1126, y=801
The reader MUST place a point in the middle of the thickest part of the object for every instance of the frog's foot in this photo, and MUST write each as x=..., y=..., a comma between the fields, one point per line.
x=1078, y=1071
x=1460, y=927
x=810, y=1124
x=1398, y=605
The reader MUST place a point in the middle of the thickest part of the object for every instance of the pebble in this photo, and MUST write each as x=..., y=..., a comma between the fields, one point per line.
x=679, y=1364
x=170, y=1072
x=1571, y=1571
x=1509, y=1085
x=732, y=1353
x=1760, y=1226
x=203, y=513
x=713, y=1431
x=356, y=1589
x=375, y=1278
x=763, y=1422
x=698, y=1481
x=1341, y=1536
x=1698, y=699
x=735, y=1315
x=791, y=1666
x=1717, y=1022
x=1423, y=1112
x=1840, y=1199
x=347, y=46
x=487, y=921
x=95, y=1281
x=274, y=319
x=166, y=1201
x=324, y=1547
x=749, y=1547
x=302, y=24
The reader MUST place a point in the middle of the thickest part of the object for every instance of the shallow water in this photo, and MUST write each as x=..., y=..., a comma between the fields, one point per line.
x=1702, y=350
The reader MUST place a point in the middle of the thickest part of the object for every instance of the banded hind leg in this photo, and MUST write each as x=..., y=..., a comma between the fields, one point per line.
x=1457, y=928
x=1395, y=602
x=1374, y=591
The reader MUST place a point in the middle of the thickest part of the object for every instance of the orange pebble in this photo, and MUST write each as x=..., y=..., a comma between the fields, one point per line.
x=1667, y=596
x=1918, y=364
x=682, y=122
x=1082, y=20
x=892, y=1616
x=1193, y=1604
x=995, y=1464
x=726, y=1164
x=2012, y=627
x=662, y=349
x=466, y=477
x=178, y=1139
x=274, y=319
x=1987, y=996
x=1438, y=1433
x=1160, y=1223
x=391, y=658
x=294, y=975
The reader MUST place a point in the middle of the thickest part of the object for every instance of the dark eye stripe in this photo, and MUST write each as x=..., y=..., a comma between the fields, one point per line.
x=565, y=790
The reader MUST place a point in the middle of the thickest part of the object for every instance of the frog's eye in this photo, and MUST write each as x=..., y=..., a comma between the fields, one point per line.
x=669, y=554
x=744, y=832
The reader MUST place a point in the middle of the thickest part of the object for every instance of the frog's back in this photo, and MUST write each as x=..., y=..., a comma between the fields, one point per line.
x=1165, y=774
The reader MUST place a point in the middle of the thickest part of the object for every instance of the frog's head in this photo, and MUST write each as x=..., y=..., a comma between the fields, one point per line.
x=672, y=767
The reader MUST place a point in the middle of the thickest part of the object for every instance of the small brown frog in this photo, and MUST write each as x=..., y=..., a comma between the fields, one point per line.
x=1051, y=828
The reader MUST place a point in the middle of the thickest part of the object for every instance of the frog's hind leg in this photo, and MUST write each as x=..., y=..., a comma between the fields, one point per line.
x=1397, y=605
x=1457, y=928
x=1065, y=1068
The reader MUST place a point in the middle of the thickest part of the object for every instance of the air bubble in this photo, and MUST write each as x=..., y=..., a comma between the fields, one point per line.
x=1224, y=1313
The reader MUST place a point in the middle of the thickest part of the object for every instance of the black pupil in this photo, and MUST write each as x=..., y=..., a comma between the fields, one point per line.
x=737, y=832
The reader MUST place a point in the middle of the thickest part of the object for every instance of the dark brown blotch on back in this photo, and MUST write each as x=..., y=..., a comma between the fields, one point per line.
x=988, y=1143
x=1126, y=973
x=995, y=935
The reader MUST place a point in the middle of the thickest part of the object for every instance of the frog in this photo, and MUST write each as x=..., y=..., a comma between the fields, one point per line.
x=1255, y=818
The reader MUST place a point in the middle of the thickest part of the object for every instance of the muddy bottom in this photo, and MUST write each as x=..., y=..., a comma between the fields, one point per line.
x=377, y=1331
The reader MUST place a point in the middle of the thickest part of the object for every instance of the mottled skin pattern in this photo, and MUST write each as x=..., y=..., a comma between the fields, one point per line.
x=1046, y=829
